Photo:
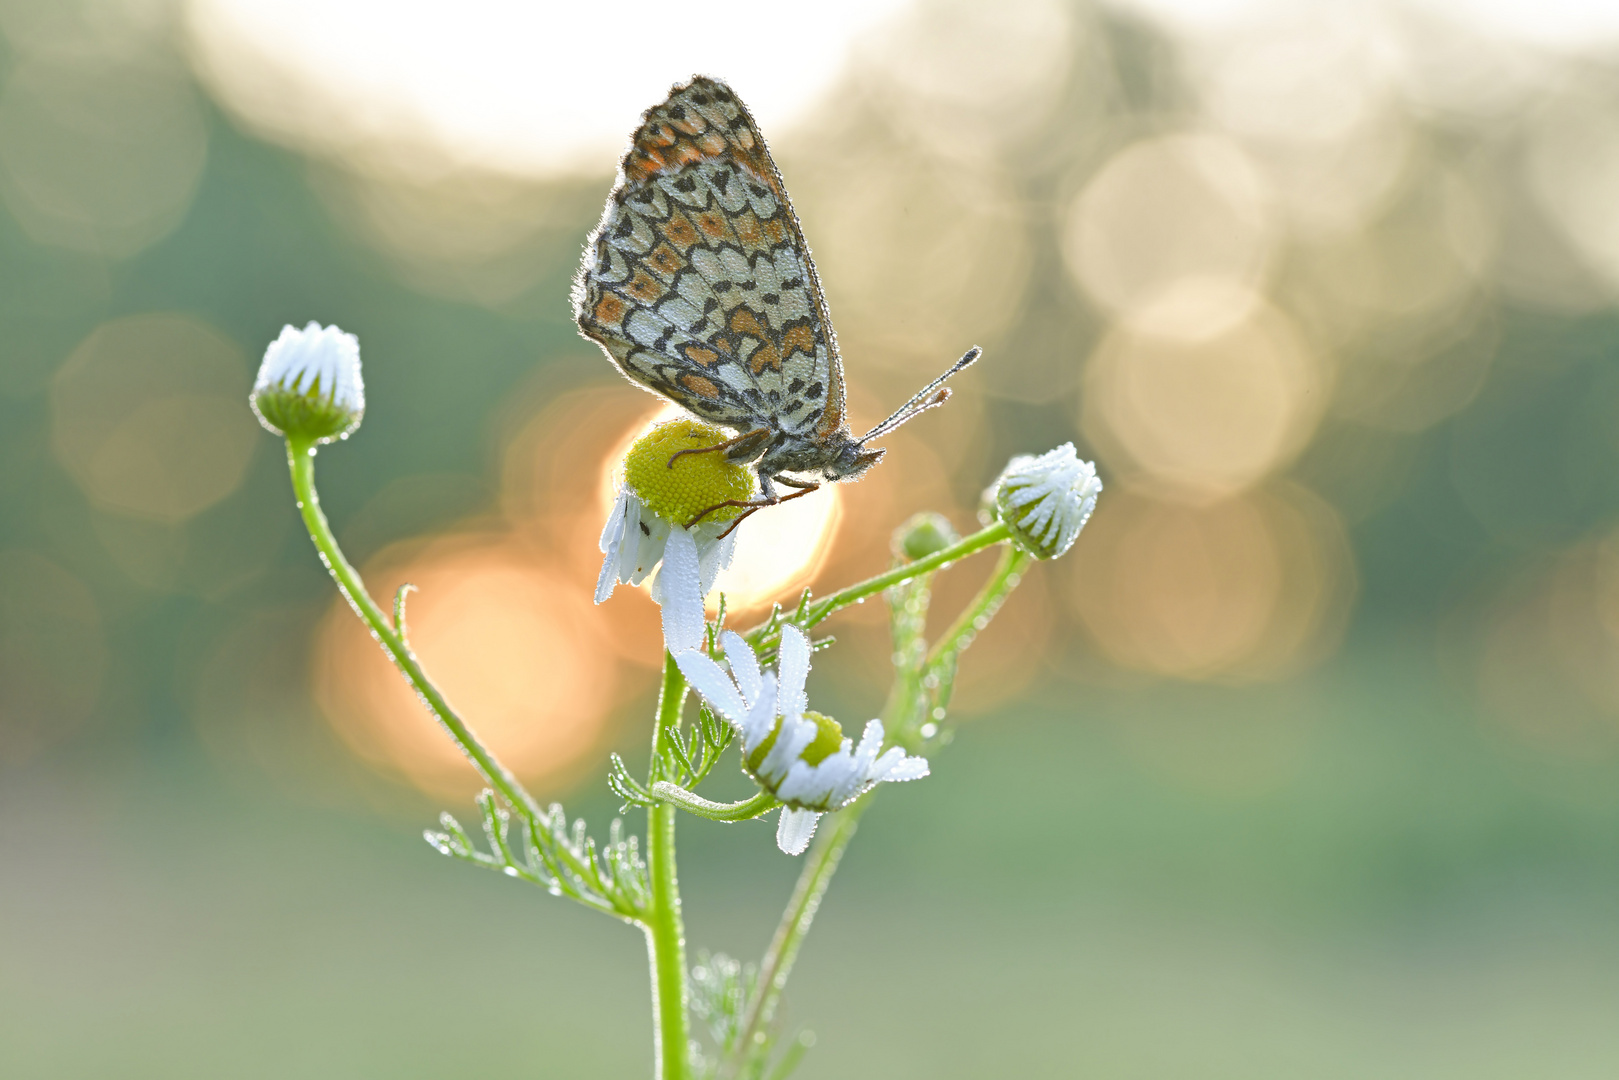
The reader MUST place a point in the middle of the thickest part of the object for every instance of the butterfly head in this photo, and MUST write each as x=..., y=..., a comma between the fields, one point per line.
x=851, y=461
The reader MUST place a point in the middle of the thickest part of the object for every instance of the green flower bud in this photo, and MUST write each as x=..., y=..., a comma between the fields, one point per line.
x=309, y=386
x=1046, y=500
x=923, y=535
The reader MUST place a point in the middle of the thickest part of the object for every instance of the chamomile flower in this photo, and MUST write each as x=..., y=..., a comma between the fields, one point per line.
x=799, y=756
x=662, y=490
x=309, y=384
x=1046, y=500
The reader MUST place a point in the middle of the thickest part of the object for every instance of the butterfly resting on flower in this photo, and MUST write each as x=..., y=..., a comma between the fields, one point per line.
x=699, y=285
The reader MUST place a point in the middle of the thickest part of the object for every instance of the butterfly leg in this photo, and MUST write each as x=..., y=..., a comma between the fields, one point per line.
x=770, y=498
x=741, y=448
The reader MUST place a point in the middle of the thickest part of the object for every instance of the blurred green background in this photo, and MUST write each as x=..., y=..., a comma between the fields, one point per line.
x=1304, y=762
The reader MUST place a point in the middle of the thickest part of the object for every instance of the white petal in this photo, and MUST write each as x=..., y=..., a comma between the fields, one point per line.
x=613, y=530
x=818, y=785
x=611, y=541
x=795, y=830
x=858, y=777
x=790, y=742
x=871, y=740
x=805, y=783
x=708, y=680
x=794, y=665
x=761, y=719
x=800, y=781
x=682, y=602
x=299, y=359
x=643, y=550
x=727, y=552
x=871, y=744
x=744, y=665
x=912, y=768
x=713, y=555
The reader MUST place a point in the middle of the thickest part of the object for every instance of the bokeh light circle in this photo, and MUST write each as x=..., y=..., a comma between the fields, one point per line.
x=99, y=153
x=149, y=416
x=1246, y=589
x=1173, y=234
x=53, y=654
x=515, y=651
x=1546, y=663
x=1203, y=417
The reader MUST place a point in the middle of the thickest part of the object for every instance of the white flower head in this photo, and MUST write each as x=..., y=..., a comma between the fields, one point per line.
x=651, y=526
x=1046, y=500
x=309, y=385
x=636, y=542
x=799, y=756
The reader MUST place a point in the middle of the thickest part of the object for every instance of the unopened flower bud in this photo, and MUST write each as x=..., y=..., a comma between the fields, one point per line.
x=309, y=385
x=1046, y=500
x=923, y=535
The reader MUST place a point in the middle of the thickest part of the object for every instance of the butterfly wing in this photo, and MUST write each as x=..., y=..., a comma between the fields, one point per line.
x=698, y=282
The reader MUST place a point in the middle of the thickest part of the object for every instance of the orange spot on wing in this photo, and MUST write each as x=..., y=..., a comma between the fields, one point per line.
x=759, y=166
x=609, y=310
x=665, y=259
x=646, y=288
x=831, y=420
x=798, y=339
x=747, y=230
x=699, y=355
x=743, y=321
x=766, y=355
x=713, y=225
x=680, y=232
x=775, y=231
x=700, y=386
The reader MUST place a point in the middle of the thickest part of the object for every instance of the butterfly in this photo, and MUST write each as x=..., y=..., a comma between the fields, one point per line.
x=700, y=287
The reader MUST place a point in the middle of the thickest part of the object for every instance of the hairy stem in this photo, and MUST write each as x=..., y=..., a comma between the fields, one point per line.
x=301, y=458
x=665, y=931
x=939, y=672
x=818, y=610
x=746, y=810
x=795, y=923
x=301, y=461
x=921, y=691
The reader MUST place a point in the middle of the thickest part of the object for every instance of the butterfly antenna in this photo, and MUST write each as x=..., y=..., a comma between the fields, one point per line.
x=933, y=394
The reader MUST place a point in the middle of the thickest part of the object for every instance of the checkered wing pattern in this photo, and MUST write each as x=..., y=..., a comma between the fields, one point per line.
x=698, y=282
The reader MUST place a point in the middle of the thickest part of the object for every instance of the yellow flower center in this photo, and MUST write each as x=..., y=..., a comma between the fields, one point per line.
x=828, y=741
x=677, y=489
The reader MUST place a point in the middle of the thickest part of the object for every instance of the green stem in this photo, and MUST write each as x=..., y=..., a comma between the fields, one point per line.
x=1006, y=576
x=906, y=709
x=820, y=609
x=795, y=923
x=665, y=932
x=969, y=545
x=746, y=810
x=938, y=673
x=301, y=458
